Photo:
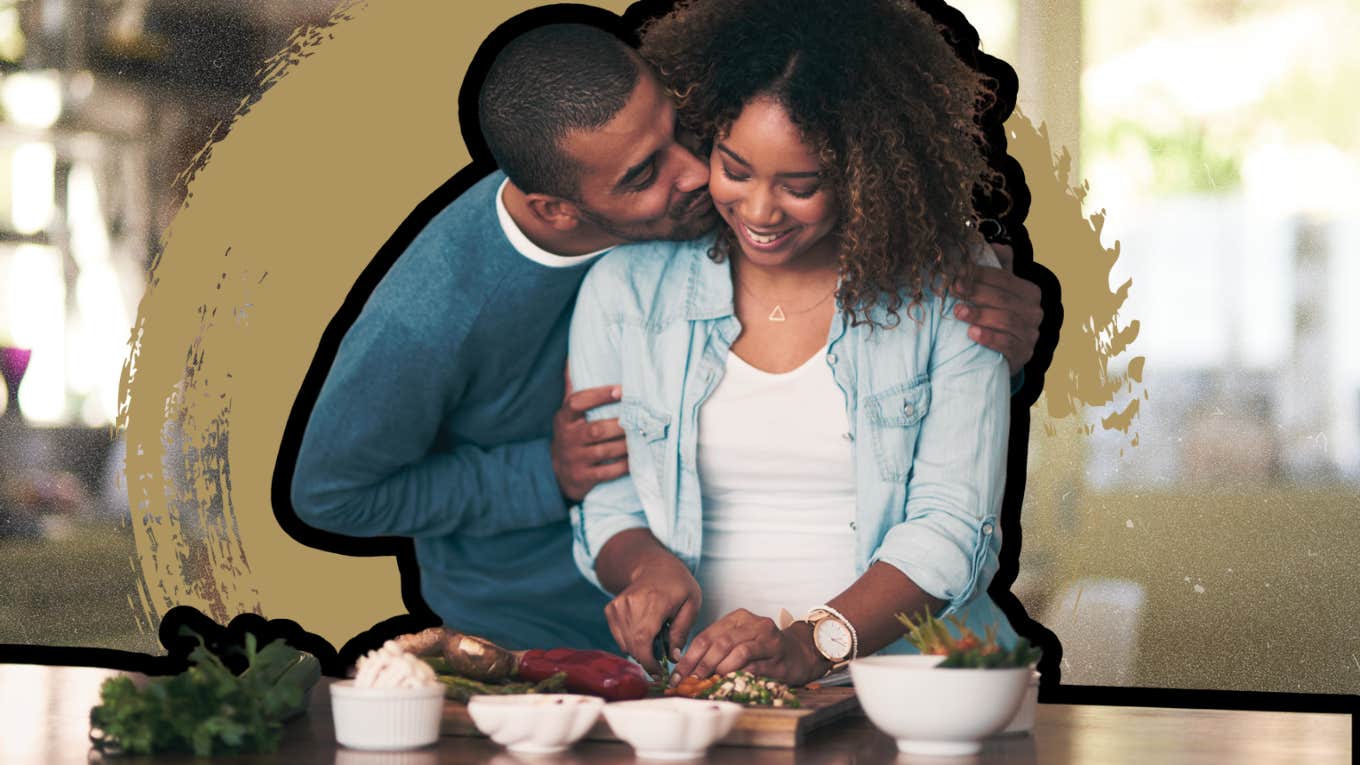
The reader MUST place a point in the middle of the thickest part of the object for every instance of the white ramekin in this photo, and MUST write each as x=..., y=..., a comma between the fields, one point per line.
x=386, y=718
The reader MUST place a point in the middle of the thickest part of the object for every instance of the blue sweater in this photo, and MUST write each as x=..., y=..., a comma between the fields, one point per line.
x=435, y=422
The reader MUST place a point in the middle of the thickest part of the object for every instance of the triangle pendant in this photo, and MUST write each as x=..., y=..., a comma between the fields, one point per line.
x=777, y=314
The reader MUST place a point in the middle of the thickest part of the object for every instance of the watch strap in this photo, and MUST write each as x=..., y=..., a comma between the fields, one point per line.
x=823, y=612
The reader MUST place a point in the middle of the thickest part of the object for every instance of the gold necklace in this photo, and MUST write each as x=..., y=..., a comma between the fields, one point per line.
x=779, y=314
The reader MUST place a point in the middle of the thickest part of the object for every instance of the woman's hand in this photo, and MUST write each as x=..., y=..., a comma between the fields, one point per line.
x=742, y=640
x=663, y=589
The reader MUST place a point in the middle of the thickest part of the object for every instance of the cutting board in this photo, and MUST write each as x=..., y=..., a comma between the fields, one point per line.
x=765, y=727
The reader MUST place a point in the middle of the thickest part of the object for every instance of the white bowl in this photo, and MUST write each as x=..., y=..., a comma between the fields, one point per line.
x=933, y=711
x=1023, y=722
x=535, y=723
x=672, y=728
x=386, y=718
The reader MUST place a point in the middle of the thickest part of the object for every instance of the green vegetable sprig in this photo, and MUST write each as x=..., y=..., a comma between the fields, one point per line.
x=968, y=651
x=461, y=688
x=207, y=709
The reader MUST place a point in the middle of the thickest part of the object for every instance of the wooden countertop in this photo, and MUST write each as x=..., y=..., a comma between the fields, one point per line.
x=44, y=720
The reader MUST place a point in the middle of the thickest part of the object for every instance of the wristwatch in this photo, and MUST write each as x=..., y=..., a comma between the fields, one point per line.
x=833, y=636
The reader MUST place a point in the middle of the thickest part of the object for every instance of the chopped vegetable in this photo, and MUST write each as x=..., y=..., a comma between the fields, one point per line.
x=741, y=687
x=691, y=687
x=207, y=709
x=967, y=651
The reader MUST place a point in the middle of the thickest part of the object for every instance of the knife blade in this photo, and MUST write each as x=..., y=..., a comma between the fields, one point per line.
x=661, y=650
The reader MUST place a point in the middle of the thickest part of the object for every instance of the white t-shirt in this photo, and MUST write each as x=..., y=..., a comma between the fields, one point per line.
x=526, y=246
x=777, y=476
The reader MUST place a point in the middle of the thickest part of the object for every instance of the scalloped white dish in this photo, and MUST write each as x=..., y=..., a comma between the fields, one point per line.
x=672, y=728
x=535, y=723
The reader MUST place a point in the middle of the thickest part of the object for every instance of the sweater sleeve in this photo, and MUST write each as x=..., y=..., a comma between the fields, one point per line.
x=366, y=465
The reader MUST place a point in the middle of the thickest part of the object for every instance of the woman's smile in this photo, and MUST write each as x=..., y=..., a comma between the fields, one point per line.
x=768, y=241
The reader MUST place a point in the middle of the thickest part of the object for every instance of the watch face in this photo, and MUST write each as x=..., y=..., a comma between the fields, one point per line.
x=832, y=639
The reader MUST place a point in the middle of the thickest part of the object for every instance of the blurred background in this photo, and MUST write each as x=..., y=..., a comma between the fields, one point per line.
x=1214, y=550
x=103, y=104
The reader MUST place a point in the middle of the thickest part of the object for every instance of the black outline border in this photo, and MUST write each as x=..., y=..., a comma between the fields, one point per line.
x=334, y=663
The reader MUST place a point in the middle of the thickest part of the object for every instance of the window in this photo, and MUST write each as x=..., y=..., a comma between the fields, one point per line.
x=1211, y=545
x=73, y=236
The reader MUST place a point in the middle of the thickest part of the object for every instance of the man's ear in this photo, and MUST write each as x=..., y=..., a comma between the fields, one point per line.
x=562, y=214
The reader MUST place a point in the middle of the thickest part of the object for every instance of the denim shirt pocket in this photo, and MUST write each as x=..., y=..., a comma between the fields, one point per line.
x=645, y=427
x=894, y=417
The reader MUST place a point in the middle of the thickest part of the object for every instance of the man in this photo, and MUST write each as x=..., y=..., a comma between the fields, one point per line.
x=438, y=419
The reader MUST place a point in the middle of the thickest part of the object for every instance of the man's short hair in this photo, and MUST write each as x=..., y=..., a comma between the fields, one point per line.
x=546, y=83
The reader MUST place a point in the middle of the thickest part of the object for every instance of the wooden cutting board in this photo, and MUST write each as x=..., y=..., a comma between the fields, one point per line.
x=764, y=727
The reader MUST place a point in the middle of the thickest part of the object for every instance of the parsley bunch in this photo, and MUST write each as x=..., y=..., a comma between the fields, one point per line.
x=207, y=709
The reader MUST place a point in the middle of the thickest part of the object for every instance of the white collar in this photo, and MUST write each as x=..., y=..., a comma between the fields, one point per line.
x=530, y=250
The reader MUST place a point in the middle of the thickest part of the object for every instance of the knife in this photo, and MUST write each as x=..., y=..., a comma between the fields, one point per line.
x=661, y=650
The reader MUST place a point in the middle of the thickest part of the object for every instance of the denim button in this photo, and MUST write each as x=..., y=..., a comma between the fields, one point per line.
x=907, y=409
x=987, y=527
x=831, y=358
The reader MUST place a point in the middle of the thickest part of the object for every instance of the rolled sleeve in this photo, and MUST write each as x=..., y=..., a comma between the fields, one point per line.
x=945, y=555
x=950, y=541
x=594, y=360
x=590, y=533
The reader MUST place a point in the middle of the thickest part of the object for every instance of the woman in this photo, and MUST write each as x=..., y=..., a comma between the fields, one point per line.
x=809, y=427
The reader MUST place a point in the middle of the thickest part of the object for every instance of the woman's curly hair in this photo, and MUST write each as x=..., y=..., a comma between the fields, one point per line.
x=877, y=91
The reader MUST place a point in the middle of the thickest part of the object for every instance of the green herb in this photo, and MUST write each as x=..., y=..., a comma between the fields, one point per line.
x=207, y=709
x=461, y=688
x=967, y=651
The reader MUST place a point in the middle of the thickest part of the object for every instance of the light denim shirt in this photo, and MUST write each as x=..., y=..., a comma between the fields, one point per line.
x=928, y=409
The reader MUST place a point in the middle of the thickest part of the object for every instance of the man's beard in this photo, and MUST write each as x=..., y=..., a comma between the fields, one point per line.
x=689, y=218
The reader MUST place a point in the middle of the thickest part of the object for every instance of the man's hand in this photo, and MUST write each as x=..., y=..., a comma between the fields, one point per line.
x=743, y=640
x=1004, y=310
x=587, y=453
x=663, y=589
